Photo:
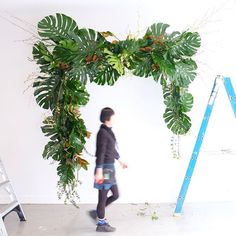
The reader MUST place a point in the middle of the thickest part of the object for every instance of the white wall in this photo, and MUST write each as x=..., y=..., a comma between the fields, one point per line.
x=153, y=175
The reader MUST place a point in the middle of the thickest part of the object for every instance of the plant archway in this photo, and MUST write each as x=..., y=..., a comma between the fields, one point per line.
x=69, y=57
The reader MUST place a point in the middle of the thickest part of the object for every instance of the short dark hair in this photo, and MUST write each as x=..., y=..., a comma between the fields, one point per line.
x=106, y=114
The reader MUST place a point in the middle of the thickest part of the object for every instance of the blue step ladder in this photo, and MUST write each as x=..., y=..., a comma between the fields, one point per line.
x=232, y=98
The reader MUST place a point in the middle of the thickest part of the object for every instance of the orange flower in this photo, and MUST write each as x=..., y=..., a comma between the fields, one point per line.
x=146, y=49
x=88, y=134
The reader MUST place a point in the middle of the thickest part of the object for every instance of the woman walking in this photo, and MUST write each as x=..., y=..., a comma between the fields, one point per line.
x=105, y=179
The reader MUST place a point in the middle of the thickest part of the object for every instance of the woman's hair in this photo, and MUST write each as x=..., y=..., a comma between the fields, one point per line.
x=106, y=114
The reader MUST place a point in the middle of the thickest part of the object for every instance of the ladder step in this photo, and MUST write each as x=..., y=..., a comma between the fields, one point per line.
x=8, y=208
x=2, y=184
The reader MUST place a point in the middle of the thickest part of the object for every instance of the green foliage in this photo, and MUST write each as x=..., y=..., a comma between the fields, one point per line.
x=157, y=29
x=42, y=56
x=143, y=68
x=56, y=27
x=115, y=61
x=69, y=58
x=185, y=44
x=184, y=73
x=65, y=172
x=148, y=210
x=177, y=122
x=46, y=91
x=186, y=101
x=177, y=103
x=106, y=74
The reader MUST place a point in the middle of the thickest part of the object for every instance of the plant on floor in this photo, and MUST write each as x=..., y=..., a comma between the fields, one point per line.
x=69, y=57
x=148, y=210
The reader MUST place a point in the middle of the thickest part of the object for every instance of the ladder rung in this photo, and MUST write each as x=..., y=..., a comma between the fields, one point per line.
x=4, y=183
x=9, y=208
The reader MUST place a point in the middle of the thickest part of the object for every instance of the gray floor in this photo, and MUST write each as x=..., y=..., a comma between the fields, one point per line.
x=205, y=219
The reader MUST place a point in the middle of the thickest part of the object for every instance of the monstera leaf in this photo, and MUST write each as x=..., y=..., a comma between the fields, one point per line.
x=86, y=39
x=66, y=51
x=75, y=141
x=90, y=50
x=185, y=44
x=41, y=53
x=76, y=92
x=177, y=102
x=49, y=128
x=143, y=66
x=89, y=42
x=157, y=29
x=57, y=27
x=178, y=122
x=42, y=56
x=65, y=171
x=166, y=66
x=186, y=101
x=46, y=91
x=54, y=150
x=106, y=74
x=115, y=61
x=185, y=72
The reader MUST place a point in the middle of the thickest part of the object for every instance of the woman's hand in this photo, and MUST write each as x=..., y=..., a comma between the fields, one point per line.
x=99, y=176
x=123, y=164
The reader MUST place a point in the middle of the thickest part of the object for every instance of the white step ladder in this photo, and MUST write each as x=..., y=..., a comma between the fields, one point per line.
x=14, y=205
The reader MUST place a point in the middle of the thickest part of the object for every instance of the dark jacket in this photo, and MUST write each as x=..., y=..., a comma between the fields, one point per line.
x=106, y=152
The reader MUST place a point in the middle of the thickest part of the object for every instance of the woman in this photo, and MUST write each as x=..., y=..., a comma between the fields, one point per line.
x=105, y=180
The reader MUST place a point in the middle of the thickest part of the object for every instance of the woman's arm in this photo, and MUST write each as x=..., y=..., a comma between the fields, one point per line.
x=101, y=147
x=100, y=155
x=117, y=157
x=123, y=164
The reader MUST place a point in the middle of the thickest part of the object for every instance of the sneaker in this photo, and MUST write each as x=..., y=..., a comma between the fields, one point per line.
x=93, y=215
x=105, y=228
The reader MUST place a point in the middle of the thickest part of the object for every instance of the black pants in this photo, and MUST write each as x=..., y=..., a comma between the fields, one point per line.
x=103, y=201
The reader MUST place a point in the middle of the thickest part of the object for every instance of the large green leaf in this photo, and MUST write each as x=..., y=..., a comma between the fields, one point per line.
x=178, y=122
x=41, y=53
x=115, y=61
x=42, y=56
x=185, y=44
x=81, y=72
x=184, y=72
x=66, y=51
x=90, y=46
x=157, y=29
x=186, y=101
x=76, y=142
x=166, y=66
x=57, y=27
x=49, y=128
x=86, y=39
x=177, y=102
x=157, y=74
x=54, y=150
x=66, y=172
x=89, y=43
x=129, y=46
x=106, y=74
x=143, y=65
x=171, y=94
x=47, y=91
x=76, y=92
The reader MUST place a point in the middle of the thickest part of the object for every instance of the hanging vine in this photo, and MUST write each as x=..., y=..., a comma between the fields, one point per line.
x=69, y=57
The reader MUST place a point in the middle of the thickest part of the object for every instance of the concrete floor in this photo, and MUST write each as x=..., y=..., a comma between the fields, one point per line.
x=202, y=219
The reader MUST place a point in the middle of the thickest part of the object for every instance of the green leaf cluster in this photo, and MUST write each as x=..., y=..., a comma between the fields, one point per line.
x=69, y=57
